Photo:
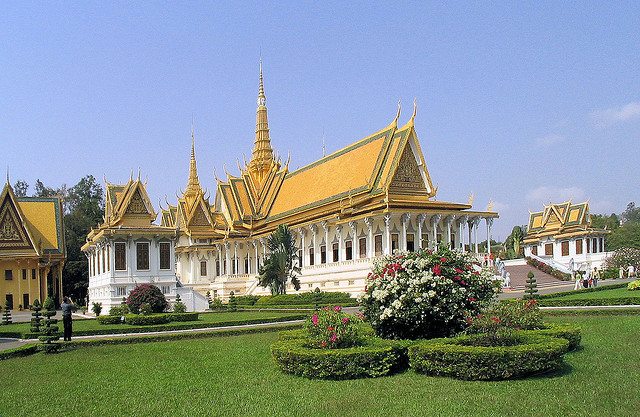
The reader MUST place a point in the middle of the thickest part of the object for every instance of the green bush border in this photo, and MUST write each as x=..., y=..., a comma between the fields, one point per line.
x=292, y=306
x=448, y=357
x=559, y=302
x=169, y=327
x=593, y=312
x=582, y=291
x=375, y=358
x=24, y=350
x=573, y=334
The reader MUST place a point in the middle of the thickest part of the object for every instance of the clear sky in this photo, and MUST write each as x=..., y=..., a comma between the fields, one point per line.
x=521, y=103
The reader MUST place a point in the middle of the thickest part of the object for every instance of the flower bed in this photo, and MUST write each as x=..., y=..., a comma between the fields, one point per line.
x=458, y=358
x=374, y=358
x=547, y=269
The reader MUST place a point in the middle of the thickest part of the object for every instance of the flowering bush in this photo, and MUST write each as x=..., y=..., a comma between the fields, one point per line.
x=634, y=285
x=490, y=331
x=547, y=269
x=330, y=328
x=424, y=294
x=495, y=327
x=623, y=257
x=147, y=294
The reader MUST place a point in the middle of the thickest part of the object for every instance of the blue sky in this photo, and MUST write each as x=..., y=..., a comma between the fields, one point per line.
x=521, y=103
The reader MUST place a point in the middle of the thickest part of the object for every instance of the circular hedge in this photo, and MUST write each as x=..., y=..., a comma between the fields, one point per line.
x=562, y=331
x=374, y=358
x=458, y=358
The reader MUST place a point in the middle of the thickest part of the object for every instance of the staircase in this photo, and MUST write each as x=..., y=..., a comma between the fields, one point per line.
x=519, y=277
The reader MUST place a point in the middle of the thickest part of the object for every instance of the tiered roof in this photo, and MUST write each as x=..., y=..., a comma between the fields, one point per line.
x=562, y=220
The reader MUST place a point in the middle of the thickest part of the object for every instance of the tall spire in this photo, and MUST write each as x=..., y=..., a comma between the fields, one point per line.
x=262, y=154
x=193, y=184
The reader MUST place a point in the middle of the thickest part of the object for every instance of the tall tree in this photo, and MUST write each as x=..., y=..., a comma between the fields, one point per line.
x=84, y=207
x=631, y=214
x=602, y=221
x=281, y=264
x=41, y=190
x=20, y=188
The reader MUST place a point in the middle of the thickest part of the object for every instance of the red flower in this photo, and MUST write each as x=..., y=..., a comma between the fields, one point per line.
x=495, y=319
x=330, y=328
x=472, y=299
x=469, y=320
x=459, y=271
x=337, y=309
x=323, y=344
x=345, y=320
x=436, y=270
x=443, y=260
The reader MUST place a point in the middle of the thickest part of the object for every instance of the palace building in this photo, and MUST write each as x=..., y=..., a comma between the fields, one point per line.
x=366, y=200
x=562, y=232
x=32, y=248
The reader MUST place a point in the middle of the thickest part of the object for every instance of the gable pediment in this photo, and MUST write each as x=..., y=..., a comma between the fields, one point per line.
x=407, y=179
x=13, y=234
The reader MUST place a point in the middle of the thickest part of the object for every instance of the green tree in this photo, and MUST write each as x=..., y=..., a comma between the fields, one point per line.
x=531, y=290
x=41, y=190
x=631, y=214
x=281, y=264
x=602, y=221
x=20, y=188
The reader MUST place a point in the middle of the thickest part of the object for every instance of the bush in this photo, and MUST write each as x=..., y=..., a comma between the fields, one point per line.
x=330, y=328
x=24, y=350
x=559, y=302
x=548, y=269
x=6, y=315
x=531, y=291
x=233, y=304
x=424, y=294
x=179, y=306
x=564, y=331
x=581, y=291
x=149, y=294
x=634, y=285
x=623, y=257
x=141, y=320
x=50, y=332
x=121, y=310
x=375, y=358
x=247, y=300
x=217, y=304
x=36, y=320
x=184, y=316
x=96, y=308
x=518, y=314
x=110, y=319
x=458, y=358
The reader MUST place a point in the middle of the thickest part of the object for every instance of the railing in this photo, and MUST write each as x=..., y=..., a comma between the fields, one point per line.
x=552, y=263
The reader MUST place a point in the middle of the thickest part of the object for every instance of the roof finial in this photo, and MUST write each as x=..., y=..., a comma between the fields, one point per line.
x=324, y=149
x=262, y=99
x=8, y=182
x=399, y=108
x=193, y=184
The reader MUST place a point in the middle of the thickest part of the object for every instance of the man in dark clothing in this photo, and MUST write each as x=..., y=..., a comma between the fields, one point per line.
x=67, y=308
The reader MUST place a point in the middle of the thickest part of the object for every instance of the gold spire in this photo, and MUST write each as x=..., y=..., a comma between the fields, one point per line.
x=193, y=184
x=262, y=154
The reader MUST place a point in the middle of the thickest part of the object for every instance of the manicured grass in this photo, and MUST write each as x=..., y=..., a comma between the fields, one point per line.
x=205, y=319
x=235, y=376
x=598, y=295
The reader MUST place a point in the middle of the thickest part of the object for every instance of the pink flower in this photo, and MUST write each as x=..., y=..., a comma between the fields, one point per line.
x=436, y=270
x=314, y=319
x=345, y=320
x=323, y=344
x=337, y=309
x=443, y=260
x=333, y=337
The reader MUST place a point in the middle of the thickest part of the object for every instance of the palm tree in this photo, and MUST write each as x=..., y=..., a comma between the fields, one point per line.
x=281, y=264
x=517, y=236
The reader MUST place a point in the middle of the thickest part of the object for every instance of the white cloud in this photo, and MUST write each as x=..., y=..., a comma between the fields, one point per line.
x=550, y=139
x=500, y=207
x=614, y=115
x=552, y=194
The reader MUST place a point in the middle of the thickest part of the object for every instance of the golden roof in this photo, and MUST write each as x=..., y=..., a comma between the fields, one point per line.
x=560, y=220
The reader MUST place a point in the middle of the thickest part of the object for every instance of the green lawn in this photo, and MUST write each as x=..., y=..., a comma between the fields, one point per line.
x=235, y=376
x=204, y=319
x=598, y=295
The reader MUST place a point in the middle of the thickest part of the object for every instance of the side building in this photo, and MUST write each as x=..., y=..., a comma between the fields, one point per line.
x=346, y=209
x=563, y=232
x=32, y=248
x=128, y=249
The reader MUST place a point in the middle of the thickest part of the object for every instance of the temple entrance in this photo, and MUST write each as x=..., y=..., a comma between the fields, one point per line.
x=10, y=301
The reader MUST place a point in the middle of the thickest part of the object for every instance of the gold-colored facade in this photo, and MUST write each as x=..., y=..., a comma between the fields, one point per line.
x=32, y=248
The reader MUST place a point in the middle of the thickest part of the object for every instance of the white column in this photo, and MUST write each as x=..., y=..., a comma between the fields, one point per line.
x=314, y=229
x=434, y=221
x=369, y=222
x=301, y=232
x=325, y=228
x=387, y=234
x=235, y=257
x=420, y=219
x=257, y=261
x=219, y=249
x=476, y=222
x=354, y=230
x=461, y=233
x=227, y=253
x=489, y=221
x=447, y=223
x=340, y=243
x=404, y=220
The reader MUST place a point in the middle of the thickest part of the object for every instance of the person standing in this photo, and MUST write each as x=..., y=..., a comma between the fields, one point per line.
x=621, y=272
x=631, y=271
x=67, y=308
x=578, y=280
x=586, y=277
x=596, y=276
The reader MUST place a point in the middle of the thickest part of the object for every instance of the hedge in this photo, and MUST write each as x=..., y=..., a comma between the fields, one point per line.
x=294, y=306
x=184, y=316
x=582, y=291
x=148, y=320
x=592, y=312
x=559, y=302
x=563, y=331
x=375, y=358
x=24, y=350
x=307, y=298
x=109, y=319
x=177, y=326
x=453, y=357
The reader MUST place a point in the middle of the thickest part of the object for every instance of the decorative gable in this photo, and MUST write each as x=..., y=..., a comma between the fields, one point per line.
x=13, y=234
x=136, y=204
x=199, y=217
x=407, y=178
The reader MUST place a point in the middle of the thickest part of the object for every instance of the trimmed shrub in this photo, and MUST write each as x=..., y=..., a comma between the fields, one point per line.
x=109, y=319
x=96, y=308
x=24, y=350
x=149, y=294
x=531, y=291
x=183, y=316
x=179, y=306
x=247, y=300
x=119, y=311
x=374, y=358
x=564, y=331
x=425, y=294
x=518, y=314
x=559, y=302
x=457, y=358
x=292, y=334
x=634, y=285
x=151, y=319
x=233, y=303
x=217, y=304
x=36, y=320
x=6, y=314
x=50, y=332
x=581, y=291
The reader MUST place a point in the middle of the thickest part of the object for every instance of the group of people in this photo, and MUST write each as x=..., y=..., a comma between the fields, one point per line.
x=588, y=278
x=630, y=272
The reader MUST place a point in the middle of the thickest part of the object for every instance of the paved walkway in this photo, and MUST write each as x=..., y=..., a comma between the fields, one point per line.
x=561, y=286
